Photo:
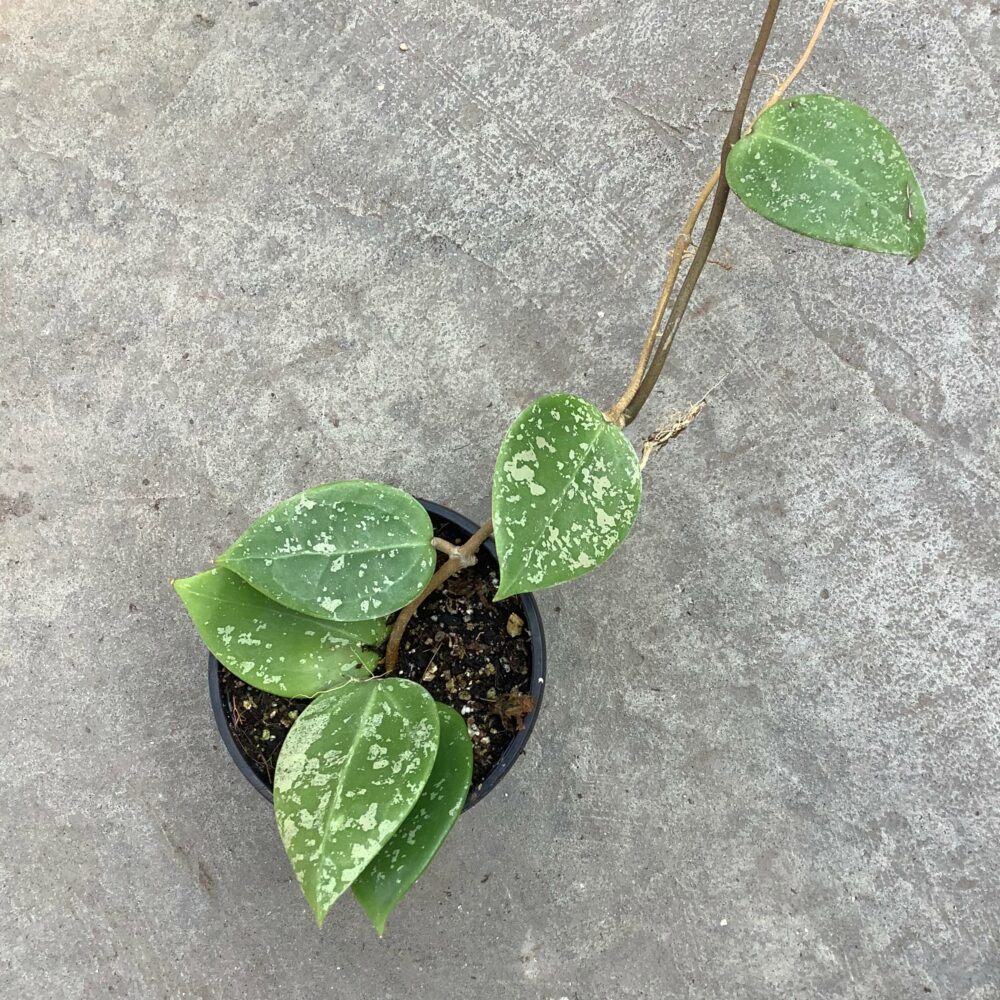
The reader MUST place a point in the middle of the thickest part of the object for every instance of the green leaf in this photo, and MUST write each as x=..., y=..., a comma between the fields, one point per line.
x=824, y=167
x=566, y=490
x=273, y=647
x=412, y=847
x=350, y=771
x=345, y=551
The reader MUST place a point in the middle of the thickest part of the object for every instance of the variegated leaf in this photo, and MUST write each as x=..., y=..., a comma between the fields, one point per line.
x=351, y=769
x=346, y=551
x=566, y=490
x=824, y=167
x=275, y=648
x=412, y=847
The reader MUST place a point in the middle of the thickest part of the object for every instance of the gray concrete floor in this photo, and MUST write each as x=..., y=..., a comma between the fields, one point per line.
x=250, y=247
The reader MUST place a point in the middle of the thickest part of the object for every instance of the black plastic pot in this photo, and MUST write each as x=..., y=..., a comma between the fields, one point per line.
x=532, y=619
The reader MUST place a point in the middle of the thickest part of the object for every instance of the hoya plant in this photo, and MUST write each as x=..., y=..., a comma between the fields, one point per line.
x=312, y=600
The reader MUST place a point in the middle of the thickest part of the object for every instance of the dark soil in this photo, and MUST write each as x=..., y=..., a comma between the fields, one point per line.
x=468, y=652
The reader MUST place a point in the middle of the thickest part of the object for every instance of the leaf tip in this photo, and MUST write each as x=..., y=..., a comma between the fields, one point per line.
x=504, y=591
x=375, y=917
x=319, y=913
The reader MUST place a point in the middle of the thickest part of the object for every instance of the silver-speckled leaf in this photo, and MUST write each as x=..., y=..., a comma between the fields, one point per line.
x=412, y=847
x=345, y=551
x=824, y=167
x=275, y=648
x=351, y=769
x=566, y=489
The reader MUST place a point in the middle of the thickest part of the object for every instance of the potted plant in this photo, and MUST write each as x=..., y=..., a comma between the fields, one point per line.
x=323, y=611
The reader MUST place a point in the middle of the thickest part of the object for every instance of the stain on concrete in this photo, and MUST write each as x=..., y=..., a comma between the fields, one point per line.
x=15, y=506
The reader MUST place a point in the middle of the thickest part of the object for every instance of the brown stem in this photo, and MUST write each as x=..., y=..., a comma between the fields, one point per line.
x=459, y=557
x=779, y=92
x=677, y=256
x=714, y=220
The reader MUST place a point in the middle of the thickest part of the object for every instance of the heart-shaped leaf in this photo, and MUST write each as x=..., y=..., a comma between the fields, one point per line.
x=346, y=551
x=824, y=167
x=412, y=847
x=350, y=771
x=273, y=647
x=566, y=489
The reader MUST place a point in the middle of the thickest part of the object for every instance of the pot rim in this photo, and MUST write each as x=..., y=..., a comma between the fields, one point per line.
x=533, y=620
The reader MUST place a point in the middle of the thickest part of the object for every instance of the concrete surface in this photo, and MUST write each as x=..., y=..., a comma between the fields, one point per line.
x=250, y=247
